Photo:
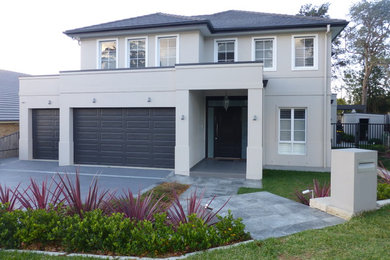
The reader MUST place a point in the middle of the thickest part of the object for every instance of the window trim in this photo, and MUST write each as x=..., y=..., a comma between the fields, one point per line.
x=157, y=48
x=315, y=52
x=127, y=49
x=235, y=40
x=274, y=51
x=292, y=132
x=99, y=53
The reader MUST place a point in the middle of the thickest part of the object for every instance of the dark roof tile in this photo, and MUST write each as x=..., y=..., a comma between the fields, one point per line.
x=232, y=20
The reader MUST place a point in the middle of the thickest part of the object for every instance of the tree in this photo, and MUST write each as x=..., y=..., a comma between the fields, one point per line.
x=378, y=89
x=314, y=11
x=368, y=39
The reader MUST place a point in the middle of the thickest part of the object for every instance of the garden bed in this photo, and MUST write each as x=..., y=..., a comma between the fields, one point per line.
x=54, y=217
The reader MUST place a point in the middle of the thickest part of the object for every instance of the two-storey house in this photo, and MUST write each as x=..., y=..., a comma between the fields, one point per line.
x=167, y=91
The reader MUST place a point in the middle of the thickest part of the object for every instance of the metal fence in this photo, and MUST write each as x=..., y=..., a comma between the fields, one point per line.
x=9, y=145
x=360, y=135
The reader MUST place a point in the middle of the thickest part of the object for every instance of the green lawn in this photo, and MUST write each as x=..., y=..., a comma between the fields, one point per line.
x=34, y=256
x=364, y=237
x=285, y=183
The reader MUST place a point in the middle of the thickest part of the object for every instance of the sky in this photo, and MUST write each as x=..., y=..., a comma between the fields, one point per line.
x=31, y=31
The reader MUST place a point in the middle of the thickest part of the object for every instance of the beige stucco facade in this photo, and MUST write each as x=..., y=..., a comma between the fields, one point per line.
x=186, y=87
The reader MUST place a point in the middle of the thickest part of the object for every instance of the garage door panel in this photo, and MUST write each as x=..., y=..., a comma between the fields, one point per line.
x=143, y=137
x=137, y=124
x=137, y=112
x=138, y=149
x=45, y=133
x=137, y=136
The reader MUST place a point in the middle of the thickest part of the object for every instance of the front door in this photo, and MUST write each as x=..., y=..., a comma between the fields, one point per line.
x=227, y=132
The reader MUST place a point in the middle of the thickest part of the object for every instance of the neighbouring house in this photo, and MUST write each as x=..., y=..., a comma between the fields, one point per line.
x=366, y=126
x=168, y=91
x=9, y=102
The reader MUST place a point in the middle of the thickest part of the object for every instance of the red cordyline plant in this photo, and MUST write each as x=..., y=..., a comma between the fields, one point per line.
x=384, y=173
x=319, y=191
x=72, y=194
x=46, y=196
x=139, y=208
x=177, y=214
x=9, y=196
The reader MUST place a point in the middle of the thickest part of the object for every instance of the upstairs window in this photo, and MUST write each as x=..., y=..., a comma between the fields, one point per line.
x=292, y=131
x=167, y=51
x=137, y=53
x=225, y=51
x=304, y=52
x=265, y=51
x=107, y=54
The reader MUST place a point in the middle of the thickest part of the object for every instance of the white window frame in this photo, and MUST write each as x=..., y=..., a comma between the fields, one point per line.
x=127, y=51
x=235, y=40
x=99, y=53
x=274, y=51
x=292, y=131
x=157, y=49
x=315, y=52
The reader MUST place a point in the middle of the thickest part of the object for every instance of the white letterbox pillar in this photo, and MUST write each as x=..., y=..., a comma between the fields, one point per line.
x=354, y=180
x=353, y=183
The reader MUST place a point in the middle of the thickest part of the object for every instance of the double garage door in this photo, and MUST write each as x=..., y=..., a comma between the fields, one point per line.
x=140, y=137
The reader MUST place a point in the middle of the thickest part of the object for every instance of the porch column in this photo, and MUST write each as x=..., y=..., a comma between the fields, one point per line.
x=182, y=148
x=65, y=146
x=25, y=133
x=254, y=161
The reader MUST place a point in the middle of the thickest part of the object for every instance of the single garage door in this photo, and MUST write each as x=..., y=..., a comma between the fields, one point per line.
x=140, y=137
x=45, y=131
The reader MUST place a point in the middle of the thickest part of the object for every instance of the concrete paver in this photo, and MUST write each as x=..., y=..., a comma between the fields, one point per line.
x=264, y=214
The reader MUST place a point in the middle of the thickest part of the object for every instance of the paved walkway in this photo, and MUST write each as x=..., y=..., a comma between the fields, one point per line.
x=264, y=214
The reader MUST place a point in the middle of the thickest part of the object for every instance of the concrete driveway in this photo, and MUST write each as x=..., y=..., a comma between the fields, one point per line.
x=14, y=171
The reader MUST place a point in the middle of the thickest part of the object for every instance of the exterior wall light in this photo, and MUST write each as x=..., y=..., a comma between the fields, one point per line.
x=49, y=102
x=182, y=117
x=94, y=100
x=149, y=99
x=254, y=118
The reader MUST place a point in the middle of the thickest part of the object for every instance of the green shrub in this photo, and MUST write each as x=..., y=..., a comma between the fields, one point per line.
x=96, y=232
x=383, y=191
x=375, y=141
x=9, y=224
x=348, y=138
x=39, y=227
x=378, y=147
x=231, y=229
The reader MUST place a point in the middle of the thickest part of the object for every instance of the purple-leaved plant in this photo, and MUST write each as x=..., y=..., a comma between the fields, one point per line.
x=139, y=208
x=177, y=214
x=9, y=196
x=44, y=196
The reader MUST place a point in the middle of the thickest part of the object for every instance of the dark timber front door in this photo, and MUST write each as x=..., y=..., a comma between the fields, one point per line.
x=227, y=132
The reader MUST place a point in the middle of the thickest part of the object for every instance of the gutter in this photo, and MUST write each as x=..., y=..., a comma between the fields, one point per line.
x=326, y=103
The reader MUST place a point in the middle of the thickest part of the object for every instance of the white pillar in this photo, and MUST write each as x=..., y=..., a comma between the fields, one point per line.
x=182, y=148
x=25, y=134
x=65, y=146
x=254, y=161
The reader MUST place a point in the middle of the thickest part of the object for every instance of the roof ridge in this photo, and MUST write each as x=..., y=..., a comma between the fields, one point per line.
x=190, y=18
x=283, y=15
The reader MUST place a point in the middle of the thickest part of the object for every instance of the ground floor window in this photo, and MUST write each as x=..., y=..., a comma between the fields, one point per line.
x=292, y=131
